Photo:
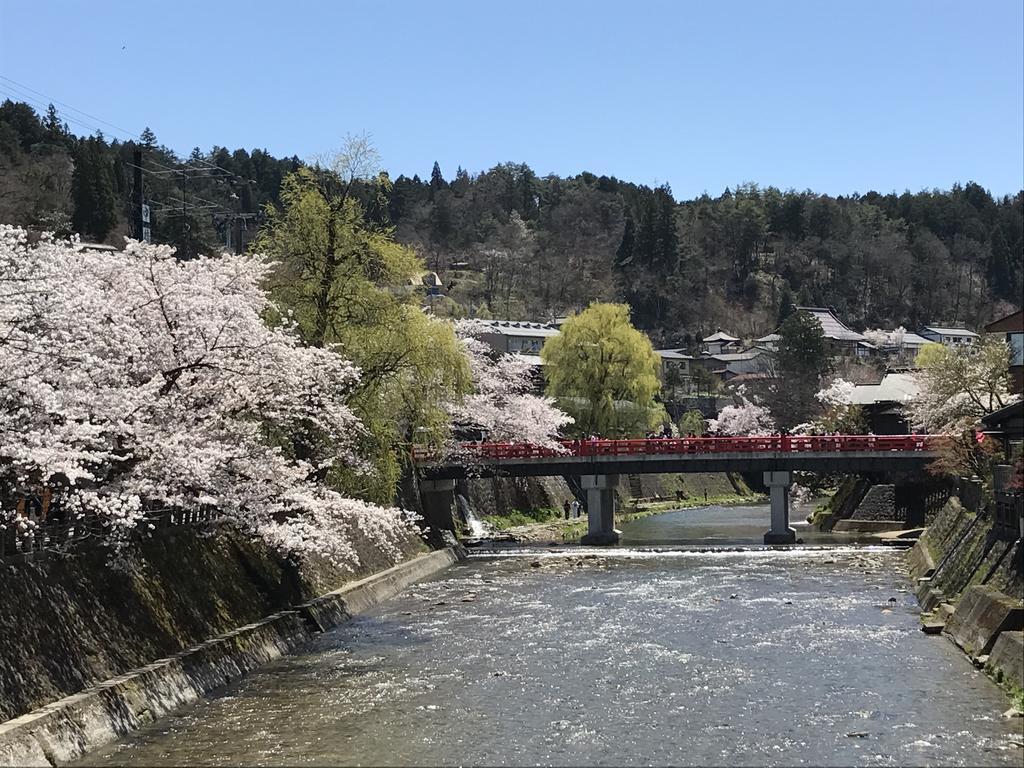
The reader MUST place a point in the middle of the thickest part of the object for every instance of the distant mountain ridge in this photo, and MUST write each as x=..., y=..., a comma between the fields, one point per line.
x=507, y=243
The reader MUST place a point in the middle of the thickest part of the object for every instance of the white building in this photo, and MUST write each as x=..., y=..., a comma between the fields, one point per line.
x=517, y=335
x=720, y=342
x=769, y=342
x=951, y=337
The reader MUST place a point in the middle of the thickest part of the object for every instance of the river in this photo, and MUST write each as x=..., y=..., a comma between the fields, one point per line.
x=718, y=525
x=574, y=656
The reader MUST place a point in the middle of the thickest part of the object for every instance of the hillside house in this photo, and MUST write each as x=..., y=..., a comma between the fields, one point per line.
x=1011, y=328
x=675, y=373
x=885, y=403
x=769, y=343
x=517, y=335
x=726, y=366
x=910, y=344
x=842, y=341
x=951, y=337
x=720, y=342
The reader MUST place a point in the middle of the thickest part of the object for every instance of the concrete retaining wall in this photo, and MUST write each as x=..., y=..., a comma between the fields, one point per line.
x=1006, y=661
x=974, y=582
x=68, y=728
x=921, y=562
x=981, y=614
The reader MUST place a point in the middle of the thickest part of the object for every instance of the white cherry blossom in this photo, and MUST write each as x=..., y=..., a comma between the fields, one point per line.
x=133, y=381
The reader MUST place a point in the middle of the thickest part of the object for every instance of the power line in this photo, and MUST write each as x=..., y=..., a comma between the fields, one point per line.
x=68, y=106
x=19, y=97
x=15, y=86
x=19, y=91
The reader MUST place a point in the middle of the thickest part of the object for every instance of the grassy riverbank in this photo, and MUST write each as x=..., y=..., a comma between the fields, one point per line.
x=550, y=525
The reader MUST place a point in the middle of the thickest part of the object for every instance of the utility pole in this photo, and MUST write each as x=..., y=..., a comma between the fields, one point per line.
x=184, y=222
x=140, y=210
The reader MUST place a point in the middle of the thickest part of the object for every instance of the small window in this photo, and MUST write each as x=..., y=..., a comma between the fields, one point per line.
x=1016, y=342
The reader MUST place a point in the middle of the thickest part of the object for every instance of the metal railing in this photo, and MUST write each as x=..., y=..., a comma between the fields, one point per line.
x=1007, y=515
x=689, y=446
x=29, y=537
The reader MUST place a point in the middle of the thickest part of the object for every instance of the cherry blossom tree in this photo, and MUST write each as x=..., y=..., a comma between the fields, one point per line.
x=956, y=389
x=960, y=386
x=746, y=418
x=838, y=393
x=882, y=338
x=134, y=382
x=502, y=404
x=841, y=415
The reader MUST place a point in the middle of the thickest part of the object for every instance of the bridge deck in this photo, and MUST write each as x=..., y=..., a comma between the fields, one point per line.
x=812, y=453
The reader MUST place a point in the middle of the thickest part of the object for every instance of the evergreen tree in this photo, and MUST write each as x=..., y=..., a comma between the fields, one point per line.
x=624, y=254
x=801, y=360
x=92, y=191
x=1000, y=267
x=56, y=131
x=666, y=238
x=786, y=307
x=437, y=182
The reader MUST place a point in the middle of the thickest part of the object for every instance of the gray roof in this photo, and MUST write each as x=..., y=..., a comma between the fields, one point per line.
x=521, y=328
x=770, y=337
x=720, y=336
x=913, y=340
x=951, y=331
x=672, y=354
x=534, y=360
x=728, y=357
x=832, y=326
x=894, y=388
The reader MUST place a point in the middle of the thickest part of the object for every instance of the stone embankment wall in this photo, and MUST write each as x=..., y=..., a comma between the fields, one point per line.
x=67, y=623
x=686, y=486
x=503, y=495
x=68, y=728
x=971, y=584
x=861, y=504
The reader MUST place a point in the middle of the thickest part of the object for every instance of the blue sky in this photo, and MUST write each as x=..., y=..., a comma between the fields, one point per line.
x=835, y=97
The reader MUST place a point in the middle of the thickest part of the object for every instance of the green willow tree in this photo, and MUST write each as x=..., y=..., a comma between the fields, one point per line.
x=693, y=423
x=348, y=285
x=604, y=373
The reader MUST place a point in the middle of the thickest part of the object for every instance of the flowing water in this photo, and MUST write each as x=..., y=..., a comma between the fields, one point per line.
x=717, y=525
x=805, y=656
x=476, y=528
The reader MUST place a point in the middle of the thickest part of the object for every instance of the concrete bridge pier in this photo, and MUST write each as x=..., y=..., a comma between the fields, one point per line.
x=778, y=487
x=438, y=497
x=600, y=509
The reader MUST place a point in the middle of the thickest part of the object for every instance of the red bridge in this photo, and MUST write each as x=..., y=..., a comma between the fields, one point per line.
x=598, y=463
x=687, y=446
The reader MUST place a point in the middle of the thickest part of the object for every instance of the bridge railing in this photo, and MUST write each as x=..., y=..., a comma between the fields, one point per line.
x=687, y=446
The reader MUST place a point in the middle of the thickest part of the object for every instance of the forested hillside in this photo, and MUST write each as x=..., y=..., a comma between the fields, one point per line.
x=508, y=243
